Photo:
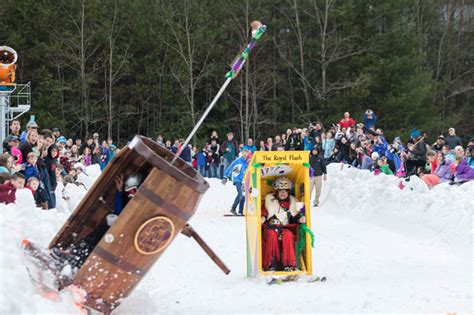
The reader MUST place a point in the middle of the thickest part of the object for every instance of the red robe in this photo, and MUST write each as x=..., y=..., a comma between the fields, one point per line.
x=278, y=244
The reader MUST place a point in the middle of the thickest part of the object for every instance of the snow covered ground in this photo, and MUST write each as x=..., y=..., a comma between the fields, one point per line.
x=382, y=249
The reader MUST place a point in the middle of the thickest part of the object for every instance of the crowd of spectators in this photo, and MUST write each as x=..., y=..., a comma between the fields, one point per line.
x=44, y=161
x=359, y=144
x=40, y=160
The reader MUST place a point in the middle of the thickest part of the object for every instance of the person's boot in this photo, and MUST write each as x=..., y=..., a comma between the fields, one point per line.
x=233, y=212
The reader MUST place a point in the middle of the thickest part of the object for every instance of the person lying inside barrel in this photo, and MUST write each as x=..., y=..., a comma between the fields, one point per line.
x=280, y=218
x=126, y=190
x=77, y=254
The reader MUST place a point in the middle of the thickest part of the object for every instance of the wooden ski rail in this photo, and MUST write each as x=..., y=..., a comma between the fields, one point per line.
x=190, y=232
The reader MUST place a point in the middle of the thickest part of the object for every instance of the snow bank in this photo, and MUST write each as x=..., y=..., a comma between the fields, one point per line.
x=24, y=221
x=446, y=209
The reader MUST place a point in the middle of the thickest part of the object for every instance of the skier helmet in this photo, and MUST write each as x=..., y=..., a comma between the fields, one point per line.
x=282, y=183
x=133, y=182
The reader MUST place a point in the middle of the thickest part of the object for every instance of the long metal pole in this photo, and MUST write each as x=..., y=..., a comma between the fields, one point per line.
x=232, y=74
x=203, y=117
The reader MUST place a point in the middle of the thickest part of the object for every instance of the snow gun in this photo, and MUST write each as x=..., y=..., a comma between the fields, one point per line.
x=8, y=58
x=257, y=29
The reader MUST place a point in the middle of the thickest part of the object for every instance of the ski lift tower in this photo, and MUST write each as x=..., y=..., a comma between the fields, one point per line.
x=15, y=99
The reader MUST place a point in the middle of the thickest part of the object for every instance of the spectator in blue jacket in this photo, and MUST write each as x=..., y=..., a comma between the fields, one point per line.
x=201, y=161
x=308, y=141
x=250, y=146
x=31, y=170
x=30, y=125
x=392, y=154
x=329, y=144
x=369, y=119
x=236, y=172
x=381, y=145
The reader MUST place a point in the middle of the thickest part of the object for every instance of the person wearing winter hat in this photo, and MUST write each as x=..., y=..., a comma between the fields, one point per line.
x=29, y=126
x=56, y=132
x=61, y=143
x=281, y=213
x=11, y=145
x=438, y=145
x=417, y=150
x=415, y=134
x=236, y=171
x=126, y=190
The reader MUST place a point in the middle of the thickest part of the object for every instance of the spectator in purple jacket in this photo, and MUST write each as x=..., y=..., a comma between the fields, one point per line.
x=443, y=170
x=463, y=172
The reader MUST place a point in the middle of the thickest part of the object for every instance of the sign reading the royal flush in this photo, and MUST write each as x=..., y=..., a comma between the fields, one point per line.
x=283, y=157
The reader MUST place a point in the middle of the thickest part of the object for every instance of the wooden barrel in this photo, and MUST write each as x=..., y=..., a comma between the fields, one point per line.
x=165, y=201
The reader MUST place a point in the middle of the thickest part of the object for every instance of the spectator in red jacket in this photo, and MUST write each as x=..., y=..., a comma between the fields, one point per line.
x=347, y=121
x=8, y=190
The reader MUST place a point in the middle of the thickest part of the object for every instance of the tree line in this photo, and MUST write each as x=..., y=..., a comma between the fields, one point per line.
x=152, y=66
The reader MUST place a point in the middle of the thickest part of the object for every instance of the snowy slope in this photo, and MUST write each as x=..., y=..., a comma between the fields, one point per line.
x=382, y=249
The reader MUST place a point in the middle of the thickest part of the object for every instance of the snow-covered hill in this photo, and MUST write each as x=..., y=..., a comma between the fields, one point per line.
x=382, y=249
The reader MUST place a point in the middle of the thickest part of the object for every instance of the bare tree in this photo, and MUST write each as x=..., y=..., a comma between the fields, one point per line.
x=333, y=48
x=113, y=74
x=77, y=51
x=187, y=49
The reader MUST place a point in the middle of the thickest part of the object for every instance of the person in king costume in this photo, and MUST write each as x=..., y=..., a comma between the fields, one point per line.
x=280, y=217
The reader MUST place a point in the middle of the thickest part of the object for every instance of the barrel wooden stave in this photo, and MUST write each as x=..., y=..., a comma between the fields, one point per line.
x=114, y=269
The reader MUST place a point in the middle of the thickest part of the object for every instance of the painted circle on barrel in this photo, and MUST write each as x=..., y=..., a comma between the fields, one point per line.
x=154, y=235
